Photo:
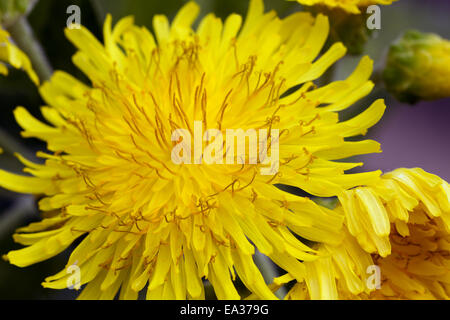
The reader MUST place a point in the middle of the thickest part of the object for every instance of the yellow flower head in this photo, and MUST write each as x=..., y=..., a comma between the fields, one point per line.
x=419, y=266
x=12, y=55
x=339, y=273
x=370, y=210
x=146, y=220
x=350, y=6
x=403, y=224
x=418, y=67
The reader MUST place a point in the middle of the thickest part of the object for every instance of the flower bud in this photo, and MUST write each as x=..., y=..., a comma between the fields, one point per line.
x=418, y=67
x=11, y=10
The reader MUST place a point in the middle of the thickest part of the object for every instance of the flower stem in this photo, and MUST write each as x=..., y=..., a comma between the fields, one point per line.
x=23, y=35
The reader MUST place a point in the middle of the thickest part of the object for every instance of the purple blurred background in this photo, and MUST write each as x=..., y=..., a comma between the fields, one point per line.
x=415, y=136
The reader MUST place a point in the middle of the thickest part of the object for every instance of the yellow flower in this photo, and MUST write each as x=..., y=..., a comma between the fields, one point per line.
x=146, y=220
x=11, y=54
x=418, y=67
x=419, y=266
x=403, y=224
x=350, y=6
x=346, y=262
x=370, y=210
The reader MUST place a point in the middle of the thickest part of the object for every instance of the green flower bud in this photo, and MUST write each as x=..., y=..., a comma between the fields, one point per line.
x=418, y=67
x=11, y=10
